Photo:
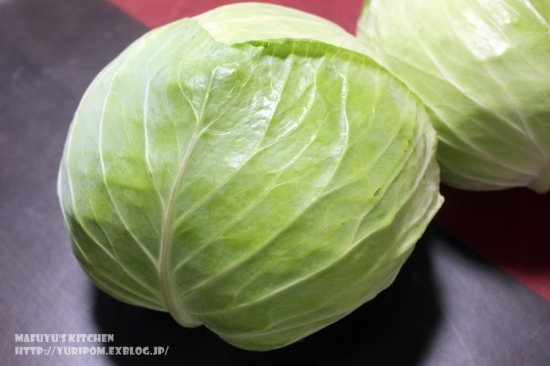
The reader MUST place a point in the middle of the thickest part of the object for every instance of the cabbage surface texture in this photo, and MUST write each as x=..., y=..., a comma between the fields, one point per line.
x=262, y=188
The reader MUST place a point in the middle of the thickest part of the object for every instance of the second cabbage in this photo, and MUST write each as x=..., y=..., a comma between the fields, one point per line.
x=482, y=68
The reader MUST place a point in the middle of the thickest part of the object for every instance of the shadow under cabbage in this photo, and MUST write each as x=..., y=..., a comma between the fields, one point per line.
x=395, y=328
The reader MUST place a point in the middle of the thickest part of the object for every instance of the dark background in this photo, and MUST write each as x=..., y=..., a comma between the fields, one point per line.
x=448, y=306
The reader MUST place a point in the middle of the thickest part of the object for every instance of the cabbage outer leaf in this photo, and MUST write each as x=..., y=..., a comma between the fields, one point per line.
x=263, y=189
x=245, y=22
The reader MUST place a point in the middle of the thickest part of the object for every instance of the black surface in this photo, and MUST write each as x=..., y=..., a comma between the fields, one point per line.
x=448, y=306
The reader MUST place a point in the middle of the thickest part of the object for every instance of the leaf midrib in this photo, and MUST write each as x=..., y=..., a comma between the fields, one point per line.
x=167, y=234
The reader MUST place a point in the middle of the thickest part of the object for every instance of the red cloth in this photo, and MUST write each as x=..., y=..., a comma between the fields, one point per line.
x=154, y=13
x=511, y=228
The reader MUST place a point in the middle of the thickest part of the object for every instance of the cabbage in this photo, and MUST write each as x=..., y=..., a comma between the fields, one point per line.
x=264, y=189
x=482, y=68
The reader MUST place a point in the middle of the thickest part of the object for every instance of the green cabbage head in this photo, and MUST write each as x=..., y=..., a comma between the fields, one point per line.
x=263, y=188
x=482, y=68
